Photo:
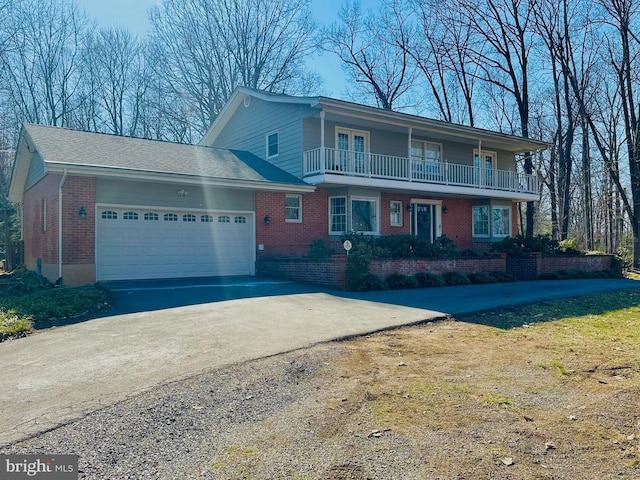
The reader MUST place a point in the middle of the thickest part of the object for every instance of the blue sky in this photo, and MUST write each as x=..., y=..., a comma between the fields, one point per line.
x=132, y=14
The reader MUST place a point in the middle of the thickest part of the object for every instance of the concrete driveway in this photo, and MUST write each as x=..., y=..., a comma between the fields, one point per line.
x=160, y=332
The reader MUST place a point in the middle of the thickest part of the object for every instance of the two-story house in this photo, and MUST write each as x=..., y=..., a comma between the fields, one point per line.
x=377, y=172
x=272, y=174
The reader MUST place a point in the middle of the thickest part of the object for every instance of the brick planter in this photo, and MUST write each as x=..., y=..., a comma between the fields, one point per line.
x=331, y=272
x=534, y=265
x=327, y=273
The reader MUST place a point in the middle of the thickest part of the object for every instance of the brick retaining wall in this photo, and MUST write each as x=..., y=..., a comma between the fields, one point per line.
x=531, y=267
x=331, y=272
x=384, y=268
x=328, y=273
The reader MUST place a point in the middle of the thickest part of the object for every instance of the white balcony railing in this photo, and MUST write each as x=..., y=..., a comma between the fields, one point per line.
x=389, y=167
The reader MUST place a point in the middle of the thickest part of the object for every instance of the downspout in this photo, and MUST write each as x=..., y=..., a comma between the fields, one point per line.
x=64, y=178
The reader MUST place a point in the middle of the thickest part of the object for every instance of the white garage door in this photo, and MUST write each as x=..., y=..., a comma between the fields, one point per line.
x=134, y=243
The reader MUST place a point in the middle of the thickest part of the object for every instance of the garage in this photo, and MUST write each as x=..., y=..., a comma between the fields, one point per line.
x=144, y=243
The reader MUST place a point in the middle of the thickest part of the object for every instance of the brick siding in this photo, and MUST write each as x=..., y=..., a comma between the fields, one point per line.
x=38, y=242
x=78, y=233
x=287, y=239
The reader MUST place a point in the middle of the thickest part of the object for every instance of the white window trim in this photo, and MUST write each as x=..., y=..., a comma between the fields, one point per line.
x=266, y=139
x=351, y=133
x=489, y=213
x=293, y=220
x=376, y=200
x=493, y=154
x=392, y=221
x=424, y=149
x=346, y=214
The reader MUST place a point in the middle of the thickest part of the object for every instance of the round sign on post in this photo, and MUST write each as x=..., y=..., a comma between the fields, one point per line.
x=347, y=246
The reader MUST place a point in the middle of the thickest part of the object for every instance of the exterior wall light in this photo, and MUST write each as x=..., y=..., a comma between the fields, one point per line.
x=444, y=209
x=267, y=220
x=82, y=213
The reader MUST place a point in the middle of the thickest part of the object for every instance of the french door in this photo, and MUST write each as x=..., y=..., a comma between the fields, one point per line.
x=484, y=167
x=352, y=146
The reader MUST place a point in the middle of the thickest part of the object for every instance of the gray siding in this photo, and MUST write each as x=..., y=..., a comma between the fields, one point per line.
x=385, y=142
x=248, y=127
x=36, y=171
x=122, y=192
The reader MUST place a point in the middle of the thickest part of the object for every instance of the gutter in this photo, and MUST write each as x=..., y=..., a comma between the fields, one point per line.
x=64, y=178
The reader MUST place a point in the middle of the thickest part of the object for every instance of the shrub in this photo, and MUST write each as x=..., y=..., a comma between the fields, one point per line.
x=480, y=278
x=456, y=278
x=319, y=250
x=502, y=277
x=357, y=267
x=429, y=279
x=14, y=326
x=623, y=261
x=401, y=246
x=367, y=282
x=398, y=281
x=520, y=246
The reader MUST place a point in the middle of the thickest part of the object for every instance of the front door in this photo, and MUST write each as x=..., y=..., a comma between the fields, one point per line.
x=424, y=221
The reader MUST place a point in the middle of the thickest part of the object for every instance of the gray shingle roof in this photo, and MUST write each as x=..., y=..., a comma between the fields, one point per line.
x=85, y=149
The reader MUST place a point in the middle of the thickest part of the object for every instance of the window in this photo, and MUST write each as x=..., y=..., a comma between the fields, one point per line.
x=130, y=216
x=364, y=215
x=337, y=215
x=273, y=147
x=293, y=208
x=206, y=219
x=151, y=216
x=425, y=158
x=240, y=220
x=188, y=218
x=395, y=213
x=170, y=217
x=501, y=221
x=224, y=219
x=43, y=214
x=109, y=215
x=481, y=221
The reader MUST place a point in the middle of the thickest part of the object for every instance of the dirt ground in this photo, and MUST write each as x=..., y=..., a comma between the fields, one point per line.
x=500, y=395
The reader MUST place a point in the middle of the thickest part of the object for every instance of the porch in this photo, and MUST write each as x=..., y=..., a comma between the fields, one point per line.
x=322, y=162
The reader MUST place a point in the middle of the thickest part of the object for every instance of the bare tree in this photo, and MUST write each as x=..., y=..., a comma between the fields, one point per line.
x=41, y=65
x=114, y=69
x=373, y=50
x=441, y=53
x=206, y=49
x=501, y=50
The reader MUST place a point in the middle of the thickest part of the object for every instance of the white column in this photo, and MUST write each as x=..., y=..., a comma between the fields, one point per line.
x=409, y=154
x=322, y=159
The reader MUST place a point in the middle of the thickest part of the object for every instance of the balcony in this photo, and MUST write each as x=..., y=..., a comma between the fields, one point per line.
x=387, y=167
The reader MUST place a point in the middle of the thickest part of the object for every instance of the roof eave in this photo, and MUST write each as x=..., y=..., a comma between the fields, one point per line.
x=131, y=174
x=519, y=144
x=21, y=165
